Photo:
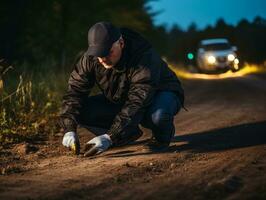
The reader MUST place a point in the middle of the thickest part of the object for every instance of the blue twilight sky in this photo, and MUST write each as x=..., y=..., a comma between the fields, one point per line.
x=206, y=12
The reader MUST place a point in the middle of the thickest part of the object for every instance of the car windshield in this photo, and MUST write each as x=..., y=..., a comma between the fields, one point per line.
x=217, y=46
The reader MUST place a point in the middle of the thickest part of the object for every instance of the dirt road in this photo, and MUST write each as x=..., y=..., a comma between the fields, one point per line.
x=218, y=152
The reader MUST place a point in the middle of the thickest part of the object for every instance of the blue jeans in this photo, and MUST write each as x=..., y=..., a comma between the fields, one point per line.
x=100, y=112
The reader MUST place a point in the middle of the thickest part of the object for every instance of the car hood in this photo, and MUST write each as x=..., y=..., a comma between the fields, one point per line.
x=220, y=53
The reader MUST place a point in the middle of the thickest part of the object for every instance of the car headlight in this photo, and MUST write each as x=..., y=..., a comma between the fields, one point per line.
x=236, y=61
x=231, y=57
x=211, y=59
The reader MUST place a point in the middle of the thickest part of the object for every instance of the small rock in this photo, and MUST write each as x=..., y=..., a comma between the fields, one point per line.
x=151, y=164
x=127, y=164
x=26, y=148
x=3, y=171
x=172, y=166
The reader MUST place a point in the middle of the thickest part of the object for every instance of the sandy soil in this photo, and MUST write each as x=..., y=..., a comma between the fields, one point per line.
x=218, y=152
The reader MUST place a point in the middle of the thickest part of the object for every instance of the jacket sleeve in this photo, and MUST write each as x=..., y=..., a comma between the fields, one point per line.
x=80, y=84
x=143, y=82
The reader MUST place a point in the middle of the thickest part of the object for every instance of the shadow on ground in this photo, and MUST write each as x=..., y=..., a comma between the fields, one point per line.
x=244, y=135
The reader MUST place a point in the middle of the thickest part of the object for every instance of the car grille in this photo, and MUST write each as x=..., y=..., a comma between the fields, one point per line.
x=221, y=59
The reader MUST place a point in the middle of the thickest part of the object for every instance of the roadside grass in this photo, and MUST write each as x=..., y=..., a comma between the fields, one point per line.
x=29, y=104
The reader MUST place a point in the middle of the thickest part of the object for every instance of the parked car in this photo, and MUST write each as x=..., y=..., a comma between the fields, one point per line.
x=217, y=55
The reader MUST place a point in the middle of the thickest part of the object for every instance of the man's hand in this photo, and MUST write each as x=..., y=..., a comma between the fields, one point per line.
x=98, y=145
x=71, y=141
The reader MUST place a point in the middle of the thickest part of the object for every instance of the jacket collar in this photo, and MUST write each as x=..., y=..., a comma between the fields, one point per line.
x=122, y=63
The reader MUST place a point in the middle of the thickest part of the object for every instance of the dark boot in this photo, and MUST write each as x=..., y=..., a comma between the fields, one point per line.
x=154, y=145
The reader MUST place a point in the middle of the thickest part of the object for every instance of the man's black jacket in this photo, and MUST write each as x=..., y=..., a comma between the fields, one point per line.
x=132, y=82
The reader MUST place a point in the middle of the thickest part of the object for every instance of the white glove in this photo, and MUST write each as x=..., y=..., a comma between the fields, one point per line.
x=71, y=141
x=98, y=145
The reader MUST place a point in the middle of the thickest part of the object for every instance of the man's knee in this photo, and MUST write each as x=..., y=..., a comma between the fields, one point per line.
x=161, y=118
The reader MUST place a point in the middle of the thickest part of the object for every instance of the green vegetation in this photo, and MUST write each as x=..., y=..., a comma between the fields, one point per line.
x=29, y=105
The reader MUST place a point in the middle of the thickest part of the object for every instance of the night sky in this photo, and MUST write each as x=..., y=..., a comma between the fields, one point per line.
x=206, y=12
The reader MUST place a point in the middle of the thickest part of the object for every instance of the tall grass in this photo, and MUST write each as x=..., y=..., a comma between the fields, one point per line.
x=29, y=104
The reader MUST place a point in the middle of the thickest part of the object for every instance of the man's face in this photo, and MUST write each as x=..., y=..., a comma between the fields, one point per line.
x=114, y=55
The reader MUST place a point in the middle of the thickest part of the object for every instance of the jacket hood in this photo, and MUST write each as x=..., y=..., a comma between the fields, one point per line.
x=135, y=46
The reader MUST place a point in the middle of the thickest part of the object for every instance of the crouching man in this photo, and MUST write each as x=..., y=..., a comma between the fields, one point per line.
x=137, y=88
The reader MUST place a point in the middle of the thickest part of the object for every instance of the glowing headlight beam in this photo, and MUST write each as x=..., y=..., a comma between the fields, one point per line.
x=236, y=61
x=231, y=57
x=211, y=59
x=247, y=69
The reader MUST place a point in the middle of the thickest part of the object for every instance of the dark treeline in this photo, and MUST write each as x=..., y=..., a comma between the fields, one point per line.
x=248, y=37
x=53, y=32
